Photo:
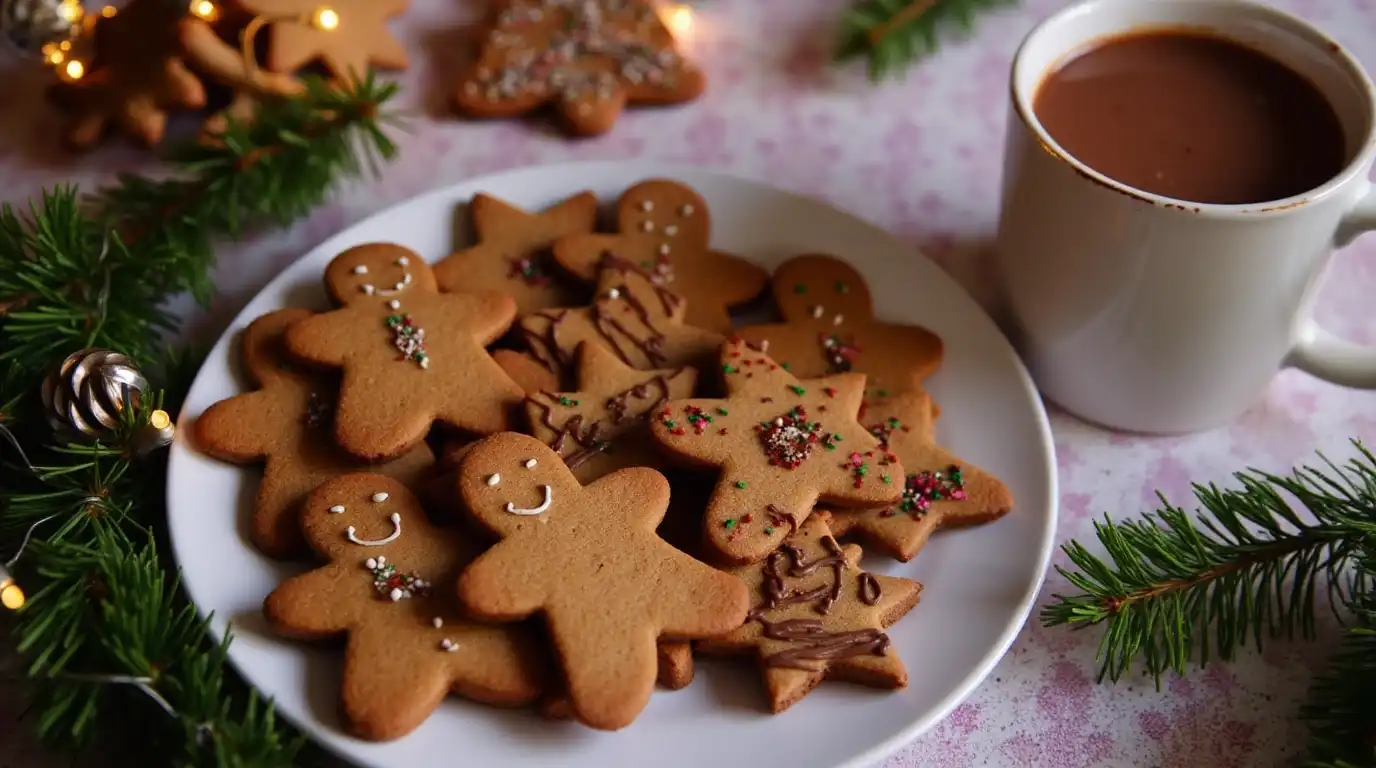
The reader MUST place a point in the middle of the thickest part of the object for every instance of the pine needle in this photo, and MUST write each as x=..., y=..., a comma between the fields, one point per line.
x=891, y=34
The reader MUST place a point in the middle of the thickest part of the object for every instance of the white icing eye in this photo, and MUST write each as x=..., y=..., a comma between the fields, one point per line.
x=530, y=463
x=437, y=622
x=361, y=269
x=381, y=496
x=671, y=230
x=394, y=304
x=837, y=320
x=403, y=261
x=818, y=310
x=493, y=479
x=647, y=205
x=647, y=226
x=686, y=210
x=337, y=509
x=366, y=288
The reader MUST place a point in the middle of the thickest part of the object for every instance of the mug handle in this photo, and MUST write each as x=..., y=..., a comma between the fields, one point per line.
x=1319, y=352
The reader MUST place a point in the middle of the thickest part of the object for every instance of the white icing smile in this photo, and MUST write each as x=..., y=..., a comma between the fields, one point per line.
x=370, y=289
x=396, y=534
x=513, y=509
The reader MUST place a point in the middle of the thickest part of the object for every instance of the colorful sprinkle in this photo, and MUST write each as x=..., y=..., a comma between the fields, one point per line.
x=697, y=418
x=840, y=354
x=729, y=369
x=721, y=412
x=922, y=488
x=730, y=523
x=528, y=270
x=742, y=484
x=789, y=439
x=842, y=287
x=390, y=583
x=567, y=402
x=409, y=339
x=797, y=390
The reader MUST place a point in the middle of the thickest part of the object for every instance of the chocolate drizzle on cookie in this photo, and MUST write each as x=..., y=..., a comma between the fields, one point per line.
x=597, y=436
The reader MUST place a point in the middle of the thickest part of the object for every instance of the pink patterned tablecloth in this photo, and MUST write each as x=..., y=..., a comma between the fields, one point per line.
x=920, y=156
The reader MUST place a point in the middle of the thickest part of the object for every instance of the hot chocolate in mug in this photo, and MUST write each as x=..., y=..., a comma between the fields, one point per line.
x=1145, y=313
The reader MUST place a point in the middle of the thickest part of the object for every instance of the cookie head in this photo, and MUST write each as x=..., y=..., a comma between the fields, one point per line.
x=665, y=209
x=510, y=480
x=265, y=354
x=361, y=514
x=819, y=288
x=378, y=272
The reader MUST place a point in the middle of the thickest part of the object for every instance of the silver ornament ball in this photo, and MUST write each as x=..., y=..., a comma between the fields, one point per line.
x=29, y=25
x=85, y=395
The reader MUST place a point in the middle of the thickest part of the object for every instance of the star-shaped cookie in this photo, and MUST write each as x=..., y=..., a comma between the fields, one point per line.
x=603, y=426
x=940, y=490
x=285, y=423
x=137, y=77
x=782, y=444
x=512, y=252
x=829, y=327
x=587, y=559
x=665, y=230
x=360, y=40
x=387, y=587
x=587, y=59
x=640, y=322
x=411, y=356
x=818, y=616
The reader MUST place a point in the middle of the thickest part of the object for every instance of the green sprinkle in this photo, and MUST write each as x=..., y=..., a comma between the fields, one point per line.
x=742, y=484
x=783, y=366
x=730, y=523
x=797, y=390
x=841, y=287
x=799, y=289
x=836, y=437
x=670, y=423
x=882, y=393
x=885, y=478
x=769, y=531
x=830, y=446
x=728, y=368
x=566, y=402
x=721, y=412
x=895, y=423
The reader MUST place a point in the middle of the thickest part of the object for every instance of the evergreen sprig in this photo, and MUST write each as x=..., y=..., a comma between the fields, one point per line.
x=890, y=34
x=107, y=637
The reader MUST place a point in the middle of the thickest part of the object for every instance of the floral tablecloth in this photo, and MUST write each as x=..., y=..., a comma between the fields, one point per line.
x=920, y=156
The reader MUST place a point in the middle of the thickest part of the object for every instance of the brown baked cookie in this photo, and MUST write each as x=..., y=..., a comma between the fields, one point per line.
x=940, y=490
x=135, y=79
x=387, y=587
x=528, y=373
x=675, y=673
x=411, y=355
x=347, y=44
x=211, y=57
x=829, y=327
x=666, y=230
x=818, y=616
x=782, y=444
x=512, y=252
x=640, y=322
x=588, y=559
x=587, y=60
x=603, y=426
x=285, y=424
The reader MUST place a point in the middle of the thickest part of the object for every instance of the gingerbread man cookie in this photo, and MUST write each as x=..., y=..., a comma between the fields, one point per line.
x=137, y=77
x=411, y=356
x=346, y=36
x=588, y=559
x=387, y=587
x=586, y=58
x=666, y=230
x=939, y=490
x=818, y=616
x=782, y=444
x=829, y=327
x=603, y=426
x=512, y=252
x=642, y=323
x=285, y=423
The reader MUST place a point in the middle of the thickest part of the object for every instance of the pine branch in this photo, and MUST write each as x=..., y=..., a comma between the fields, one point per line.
x=1175, y=590
x=1339, y=710
x=891, y=34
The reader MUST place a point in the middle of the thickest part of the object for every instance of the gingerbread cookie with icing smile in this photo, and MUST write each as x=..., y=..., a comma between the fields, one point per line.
x=588, y=559
x=386, y=587
x=665, y=231
x=411, y=356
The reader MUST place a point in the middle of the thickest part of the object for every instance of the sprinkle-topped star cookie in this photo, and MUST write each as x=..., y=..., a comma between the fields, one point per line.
x=783, y=444
x=411, y=356
x=940, y=490
x=829, y=327
x=286, y=424
x=817, y=616
x=386, y=586
x=638, y=321
x=512, y=252
x=138, y=76
x=346, y=36
x=665, y=230
x=603, y=426
x=586, y=58
x=588, y=559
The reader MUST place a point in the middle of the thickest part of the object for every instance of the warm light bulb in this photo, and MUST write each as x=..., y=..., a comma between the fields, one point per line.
x=11, y=596
x=56, y=57
x=326, y=19
x=108, y=11
x=679, y=20
x=74, y=70
x=205, y=10
x=159, y=419
x=71, y=11
x=65, y=45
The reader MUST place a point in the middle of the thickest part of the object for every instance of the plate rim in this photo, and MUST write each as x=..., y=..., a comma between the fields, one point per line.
x=217, y=624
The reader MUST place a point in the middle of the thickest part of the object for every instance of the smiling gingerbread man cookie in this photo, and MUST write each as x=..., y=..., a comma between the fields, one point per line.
x=829, y=327
x=665, y=231
x=387, y=587
x=410, y=355
x=286, y=424
x=588, y=559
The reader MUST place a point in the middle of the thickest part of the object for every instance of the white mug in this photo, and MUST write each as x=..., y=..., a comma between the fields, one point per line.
x=1148, y=314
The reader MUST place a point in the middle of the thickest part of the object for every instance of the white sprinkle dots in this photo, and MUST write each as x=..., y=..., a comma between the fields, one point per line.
x=671, y=230
x=530, y=463
x=366, y=288
x=373, y=563
x=779, y=422
x=438, y=622
x=614, y=293
x=837, y=320
x=817, y=310
x=647, y=205
x=686, y=210
x=380, y=497
x=337, y=509
x=764, y=345
x=448, y=646
x=403, y=261
x=361, y=269
x=396, y=594
x=494, y=478
x=394, y=304
x=647, y=226
x=663, y=249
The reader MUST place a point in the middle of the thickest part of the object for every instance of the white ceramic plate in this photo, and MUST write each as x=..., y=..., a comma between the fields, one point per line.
x=980, y=583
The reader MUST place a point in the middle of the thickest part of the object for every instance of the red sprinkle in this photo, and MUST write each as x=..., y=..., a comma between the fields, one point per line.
x=723, y=431
x=831, y=391
x=676, y=431
x=747, y=518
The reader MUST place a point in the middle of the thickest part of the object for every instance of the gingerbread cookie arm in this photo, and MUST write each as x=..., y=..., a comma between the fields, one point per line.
x=647, y=487
x=377, y=428
x=738, y=280
x=495, y=219
x=502, y=585
x=580, y=255
x=327, y=338
x=529, y=374
x=607, y=690
x=301, y=606
x=220, y=431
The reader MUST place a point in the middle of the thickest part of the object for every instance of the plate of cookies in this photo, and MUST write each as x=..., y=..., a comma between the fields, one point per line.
x=613, y=464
